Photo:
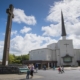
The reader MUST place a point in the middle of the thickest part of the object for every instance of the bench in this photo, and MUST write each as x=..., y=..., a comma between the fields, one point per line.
x=23, y=70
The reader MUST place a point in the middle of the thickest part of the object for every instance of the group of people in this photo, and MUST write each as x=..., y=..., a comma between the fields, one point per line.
x=61, y=69
x=30, y=71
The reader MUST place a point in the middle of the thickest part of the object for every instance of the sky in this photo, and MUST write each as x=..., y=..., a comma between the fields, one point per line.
x=37, y=23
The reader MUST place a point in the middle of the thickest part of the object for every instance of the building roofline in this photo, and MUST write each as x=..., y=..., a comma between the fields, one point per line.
x=44, y=48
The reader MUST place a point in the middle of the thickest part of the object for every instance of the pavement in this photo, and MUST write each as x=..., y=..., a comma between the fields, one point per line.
x=71, y=73
x=71, y=68
x=67, y=68
x=16, y=77
x=54, y=75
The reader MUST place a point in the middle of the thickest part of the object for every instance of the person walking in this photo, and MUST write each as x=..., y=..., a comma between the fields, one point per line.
x=28, y=72
x=59, y=70
x=44, y=67
x=53, y=67
x=36, y=67
x=62, y=69
x=32, y=70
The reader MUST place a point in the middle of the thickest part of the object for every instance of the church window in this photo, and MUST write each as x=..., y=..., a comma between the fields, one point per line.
x=67, y=59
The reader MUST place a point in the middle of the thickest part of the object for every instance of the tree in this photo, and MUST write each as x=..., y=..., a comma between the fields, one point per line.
x=17, y=59
x=11, y=58
x=25, y=57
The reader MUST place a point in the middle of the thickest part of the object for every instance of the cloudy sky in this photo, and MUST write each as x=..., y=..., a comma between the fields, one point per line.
x=37, y=23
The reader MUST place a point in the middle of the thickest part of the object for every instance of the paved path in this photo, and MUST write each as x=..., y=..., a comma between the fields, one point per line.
x=46, y=75
x=54, y=75
x=16, y=77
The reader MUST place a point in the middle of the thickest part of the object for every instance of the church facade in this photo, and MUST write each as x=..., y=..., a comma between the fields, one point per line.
x=57, y=54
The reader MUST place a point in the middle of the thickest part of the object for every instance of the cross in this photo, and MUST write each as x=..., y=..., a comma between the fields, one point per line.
x=9, y=11
x=66, y=46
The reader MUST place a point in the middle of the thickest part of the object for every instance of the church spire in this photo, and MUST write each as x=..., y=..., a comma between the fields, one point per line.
x=63, y=26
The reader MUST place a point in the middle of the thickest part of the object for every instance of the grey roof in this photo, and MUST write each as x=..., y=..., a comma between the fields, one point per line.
x=63, y=26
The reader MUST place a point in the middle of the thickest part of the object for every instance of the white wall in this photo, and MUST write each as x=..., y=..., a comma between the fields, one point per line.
x=54, y=55
x=63, y=48
x=58, y=57
x=49, y=54
x=55, y=52
x=52, y=46
x=40, y=54
x=66, y=50
x=77, y=54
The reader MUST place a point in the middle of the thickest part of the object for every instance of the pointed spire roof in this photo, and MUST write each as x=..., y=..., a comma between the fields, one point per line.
x=63, y=26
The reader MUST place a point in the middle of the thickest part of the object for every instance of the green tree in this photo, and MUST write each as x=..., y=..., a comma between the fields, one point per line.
x=25, y=57
x=11, y=58
x=17, y=59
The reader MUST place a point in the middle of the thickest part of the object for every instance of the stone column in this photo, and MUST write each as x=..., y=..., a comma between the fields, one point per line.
x=9, y=11
x=48, y=65
x=41, y=65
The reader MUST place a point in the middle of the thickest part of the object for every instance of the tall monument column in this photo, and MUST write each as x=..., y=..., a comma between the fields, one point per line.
x=9, y=11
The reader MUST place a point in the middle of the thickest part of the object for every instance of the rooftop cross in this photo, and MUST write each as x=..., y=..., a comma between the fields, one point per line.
x=66, y=46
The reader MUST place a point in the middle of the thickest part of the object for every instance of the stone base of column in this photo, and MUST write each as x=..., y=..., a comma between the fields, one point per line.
x=9, y=70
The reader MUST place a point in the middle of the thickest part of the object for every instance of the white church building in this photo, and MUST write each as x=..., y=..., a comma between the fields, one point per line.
x=56, y=54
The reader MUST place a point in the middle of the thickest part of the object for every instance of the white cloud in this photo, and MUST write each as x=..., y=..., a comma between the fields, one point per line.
x=76, y=40
x=71, y=10
x=52, y=30
x=21, y=17
x=13, y=32
x=21, y=45
x=25, y=29
x=71, y=13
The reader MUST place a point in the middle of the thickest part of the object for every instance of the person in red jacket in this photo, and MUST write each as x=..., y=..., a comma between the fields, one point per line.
x=59, y=69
